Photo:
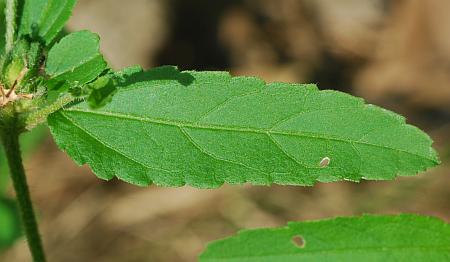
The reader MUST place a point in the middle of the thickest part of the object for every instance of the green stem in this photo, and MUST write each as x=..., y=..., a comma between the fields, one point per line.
x=10, y=14
x=41, y=115
x=12, y=149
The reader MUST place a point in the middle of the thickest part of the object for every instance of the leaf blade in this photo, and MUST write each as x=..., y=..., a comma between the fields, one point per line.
x=365, y=238
x=45, y=18
x=221, y=129
x=76, y=58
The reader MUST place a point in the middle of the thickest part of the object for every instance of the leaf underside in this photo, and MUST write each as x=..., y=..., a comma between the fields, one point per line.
x=207, y=128
x=366, y=238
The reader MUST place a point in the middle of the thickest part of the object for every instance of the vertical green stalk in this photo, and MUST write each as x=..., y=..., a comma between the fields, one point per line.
x=10, y=138
x=10, y=15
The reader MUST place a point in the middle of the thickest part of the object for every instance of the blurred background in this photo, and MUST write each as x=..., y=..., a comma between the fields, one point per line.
x=395, y=54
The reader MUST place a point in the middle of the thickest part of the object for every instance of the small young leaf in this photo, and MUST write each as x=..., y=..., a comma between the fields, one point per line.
x=10, y=229
x=207, y=128
x=44, y=19
x=76, y=58
x=101, y=92
x=366, y=238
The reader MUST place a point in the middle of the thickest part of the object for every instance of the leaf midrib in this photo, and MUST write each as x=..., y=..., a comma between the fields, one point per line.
x=235, y=129
x=115, y=150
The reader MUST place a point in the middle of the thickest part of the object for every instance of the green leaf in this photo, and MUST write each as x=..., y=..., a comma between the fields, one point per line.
x=10, y=229
x=101, y=91
x=366, y=238
x=44, y=19
x=207, y=128
x=76, y=58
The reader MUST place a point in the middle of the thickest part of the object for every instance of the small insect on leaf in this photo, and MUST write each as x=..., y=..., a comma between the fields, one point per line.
x=324, y=162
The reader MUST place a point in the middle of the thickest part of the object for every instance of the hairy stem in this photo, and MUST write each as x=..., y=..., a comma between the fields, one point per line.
x=10, y=14
x=10, y=139
x=41, y=115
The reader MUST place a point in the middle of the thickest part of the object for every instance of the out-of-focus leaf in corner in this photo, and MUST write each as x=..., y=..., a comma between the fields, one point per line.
x=10, y=229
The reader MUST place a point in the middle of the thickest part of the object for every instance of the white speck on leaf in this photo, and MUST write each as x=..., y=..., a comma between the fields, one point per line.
x=324, y=162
